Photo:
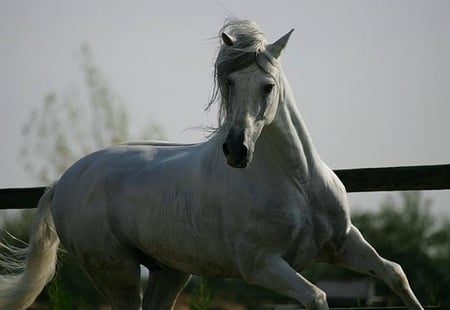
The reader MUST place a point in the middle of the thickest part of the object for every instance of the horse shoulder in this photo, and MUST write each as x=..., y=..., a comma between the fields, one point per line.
x=331, y=209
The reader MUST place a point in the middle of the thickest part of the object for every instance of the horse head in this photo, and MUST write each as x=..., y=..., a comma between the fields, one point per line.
x=250, y=90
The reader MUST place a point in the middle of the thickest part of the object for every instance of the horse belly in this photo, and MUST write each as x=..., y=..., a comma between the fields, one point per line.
x=179, y=231
x=189, y=250
x=193, y=260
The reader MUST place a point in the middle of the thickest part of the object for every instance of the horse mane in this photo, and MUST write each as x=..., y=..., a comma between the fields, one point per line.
x=249, y=45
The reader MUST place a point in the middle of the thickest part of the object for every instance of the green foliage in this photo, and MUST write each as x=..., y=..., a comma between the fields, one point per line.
x=201, y=295
x=60, y=298
x=70, y=289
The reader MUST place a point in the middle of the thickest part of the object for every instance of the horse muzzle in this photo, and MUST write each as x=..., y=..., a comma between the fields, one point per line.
x=236, y=150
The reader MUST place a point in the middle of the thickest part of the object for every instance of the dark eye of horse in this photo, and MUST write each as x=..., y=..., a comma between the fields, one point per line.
x=268, y=89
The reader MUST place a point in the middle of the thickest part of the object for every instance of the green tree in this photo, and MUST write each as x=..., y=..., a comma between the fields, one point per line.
x=58, y=132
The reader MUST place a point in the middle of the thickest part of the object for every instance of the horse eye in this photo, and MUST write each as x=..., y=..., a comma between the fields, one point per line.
x=268, y=89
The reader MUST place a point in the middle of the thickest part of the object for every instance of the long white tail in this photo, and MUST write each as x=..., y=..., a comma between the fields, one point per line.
x=30, y=269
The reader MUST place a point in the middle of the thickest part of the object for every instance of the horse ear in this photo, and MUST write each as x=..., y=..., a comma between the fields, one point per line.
x=275, y=48
x=227, y=39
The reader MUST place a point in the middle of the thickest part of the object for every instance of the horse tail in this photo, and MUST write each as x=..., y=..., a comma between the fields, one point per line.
x=31, y=268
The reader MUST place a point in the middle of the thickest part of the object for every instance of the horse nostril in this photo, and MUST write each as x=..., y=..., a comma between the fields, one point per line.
x=226, y=149
x=242, y=151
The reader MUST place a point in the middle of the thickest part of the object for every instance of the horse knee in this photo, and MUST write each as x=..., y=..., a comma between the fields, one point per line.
x=298, y=288
x=319, y=302
x=397, y=277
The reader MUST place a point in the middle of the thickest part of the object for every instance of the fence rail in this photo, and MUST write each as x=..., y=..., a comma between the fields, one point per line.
x=434, y=177
x=396, y=178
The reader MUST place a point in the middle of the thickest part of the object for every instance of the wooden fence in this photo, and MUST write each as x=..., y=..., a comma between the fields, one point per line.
x=355, y=180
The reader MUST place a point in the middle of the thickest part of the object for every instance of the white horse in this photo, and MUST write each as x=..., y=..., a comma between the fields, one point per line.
x=184, y=209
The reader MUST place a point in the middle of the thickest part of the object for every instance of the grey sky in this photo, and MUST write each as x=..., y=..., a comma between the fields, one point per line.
x=371, y=78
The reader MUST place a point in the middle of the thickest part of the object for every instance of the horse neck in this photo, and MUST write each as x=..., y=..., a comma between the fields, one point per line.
x=289, y=139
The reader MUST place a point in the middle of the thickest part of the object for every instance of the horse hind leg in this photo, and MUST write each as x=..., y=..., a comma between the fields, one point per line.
x=358, y=255
x=116, y=275
x=163, y=288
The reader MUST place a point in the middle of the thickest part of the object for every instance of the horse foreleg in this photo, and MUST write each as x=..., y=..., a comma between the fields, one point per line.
x=277, y=275
x=163, y=288
x=358, y=255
